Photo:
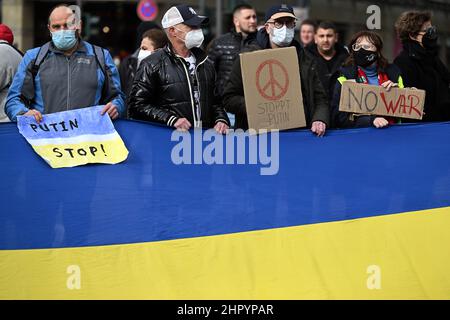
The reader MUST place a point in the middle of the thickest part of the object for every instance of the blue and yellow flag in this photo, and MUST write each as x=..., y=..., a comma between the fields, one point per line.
x=358, y=214
x=74, y=137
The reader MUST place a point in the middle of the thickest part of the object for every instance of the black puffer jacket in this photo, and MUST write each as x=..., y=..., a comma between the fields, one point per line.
x=223, y=51
x=161, y=90
x=315, y=100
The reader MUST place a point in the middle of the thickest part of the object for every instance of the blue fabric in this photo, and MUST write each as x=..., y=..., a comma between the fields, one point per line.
x=372, y=74
x=347, y=174
x=46, y=131
x=115, y=78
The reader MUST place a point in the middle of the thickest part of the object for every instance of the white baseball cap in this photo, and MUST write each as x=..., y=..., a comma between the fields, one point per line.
x=183, y=14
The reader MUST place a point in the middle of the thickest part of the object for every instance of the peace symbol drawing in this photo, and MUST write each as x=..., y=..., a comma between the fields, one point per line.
x=270, y=82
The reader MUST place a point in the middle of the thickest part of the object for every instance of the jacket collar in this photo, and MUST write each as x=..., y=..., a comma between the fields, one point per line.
x=416, y=51
x=81, y=47
x=198, y=53
x=236, y=34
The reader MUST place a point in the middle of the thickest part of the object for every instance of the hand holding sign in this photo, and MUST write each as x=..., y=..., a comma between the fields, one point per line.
x=111, y=110
x=388, y=85
x=34, y=113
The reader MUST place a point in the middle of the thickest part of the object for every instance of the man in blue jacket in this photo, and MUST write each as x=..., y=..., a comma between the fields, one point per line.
x=64, y=74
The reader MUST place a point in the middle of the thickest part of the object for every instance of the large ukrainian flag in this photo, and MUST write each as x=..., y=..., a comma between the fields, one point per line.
x=359, y=214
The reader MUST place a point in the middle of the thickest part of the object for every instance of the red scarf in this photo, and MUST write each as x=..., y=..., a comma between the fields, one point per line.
x=362, y=77
x=382, y=78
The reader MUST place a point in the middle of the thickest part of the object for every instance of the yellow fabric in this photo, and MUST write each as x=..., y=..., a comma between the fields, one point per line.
x=333, y=260
x=113, y=151
x=400, y=82
x=341, y=79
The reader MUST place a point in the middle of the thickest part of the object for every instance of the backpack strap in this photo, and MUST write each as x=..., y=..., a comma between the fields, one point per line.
x=28, y=88
x=100, y=58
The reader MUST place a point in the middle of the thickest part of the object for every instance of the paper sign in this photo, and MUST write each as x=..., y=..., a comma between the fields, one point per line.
x=370, y=99
x=73, y=138
x=272, y=90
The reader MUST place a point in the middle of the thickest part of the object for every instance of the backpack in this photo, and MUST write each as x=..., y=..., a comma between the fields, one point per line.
x=28, y=88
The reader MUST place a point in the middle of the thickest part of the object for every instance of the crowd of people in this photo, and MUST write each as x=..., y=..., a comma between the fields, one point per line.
x=172, y=81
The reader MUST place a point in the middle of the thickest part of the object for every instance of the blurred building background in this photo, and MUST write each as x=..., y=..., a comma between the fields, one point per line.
x=113, y=23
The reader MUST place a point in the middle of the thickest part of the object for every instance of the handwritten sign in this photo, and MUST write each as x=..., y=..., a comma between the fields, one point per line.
x=73, y=138
x=370, y=99
x=272, y=90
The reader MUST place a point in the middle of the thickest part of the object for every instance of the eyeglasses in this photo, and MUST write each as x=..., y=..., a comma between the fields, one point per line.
x=357, y=46
x=279, y=24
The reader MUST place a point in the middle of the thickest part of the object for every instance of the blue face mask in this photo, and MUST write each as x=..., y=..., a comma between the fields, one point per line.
x=64, y=39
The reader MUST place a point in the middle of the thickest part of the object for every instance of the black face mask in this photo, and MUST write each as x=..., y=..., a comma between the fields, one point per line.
x=364, y=57
x=429, y=39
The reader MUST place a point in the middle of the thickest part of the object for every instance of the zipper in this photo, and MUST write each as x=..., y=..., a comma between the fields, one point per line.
x=68, y=82
x=190, y=92
x=198, y=86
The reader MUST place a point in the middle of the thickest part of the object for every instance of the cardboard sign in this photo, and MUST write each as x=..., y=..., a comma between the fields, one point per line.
x=370, y=99
x=272, y=90
x=73, y=138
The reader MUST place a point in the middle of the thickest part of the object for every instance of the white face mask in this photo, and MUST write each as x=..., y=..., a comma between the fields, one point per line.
x=282, y=37
x=194, y=38
x=142, y=55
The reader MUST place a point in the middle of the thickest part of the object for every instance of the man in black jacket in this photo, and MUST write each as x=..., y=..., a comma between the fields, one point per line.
x=328, y=54
x=225, y=49
x=279, y=32
x=175, y=85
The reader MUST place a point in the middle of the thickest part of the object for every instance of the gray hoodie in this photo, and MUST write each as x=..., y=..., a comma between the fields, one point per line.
x=9, y=61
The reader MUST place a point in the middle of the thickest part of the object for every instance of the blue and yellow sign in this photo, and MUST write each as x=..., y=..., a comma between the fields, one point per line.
x=73, y=138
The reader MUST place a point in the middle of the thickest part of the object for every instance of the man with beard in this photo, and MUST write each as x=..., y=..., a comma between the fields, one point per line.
x=328, y=54
x=225, y=49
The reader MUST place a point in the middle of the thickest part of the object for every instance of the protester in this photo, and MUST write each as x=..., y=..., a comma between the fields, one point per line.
x=225, y=49
x=307, y=31
x=152, y=40
x=65, y=73
x=9, y=62
x=420, y=64
x=366, y=64
x=277, y=33
x=328, y=54
x=175, y=85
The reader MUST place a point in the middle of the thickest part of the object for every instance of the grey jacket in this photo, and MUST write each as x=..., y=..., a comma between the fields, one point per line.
x=64, y=83
x=9, y=62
